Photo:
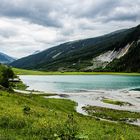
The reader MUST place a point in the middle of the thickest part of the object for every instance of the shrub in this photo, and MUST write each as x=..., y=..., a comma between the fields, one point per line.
x=26, y=110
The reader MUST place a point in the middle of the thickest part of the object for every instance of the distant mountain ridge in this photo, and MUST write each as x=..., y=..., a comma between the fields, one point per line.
x=104, y=53
x=5, y=59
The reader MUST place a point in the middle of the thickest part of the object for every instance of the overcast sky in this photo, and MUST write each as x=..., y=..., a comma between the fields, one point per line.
x=30, y=25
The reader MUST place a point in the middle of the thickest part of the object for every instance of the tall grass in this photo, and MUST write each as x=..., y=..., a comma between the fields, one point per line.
x=23, y=117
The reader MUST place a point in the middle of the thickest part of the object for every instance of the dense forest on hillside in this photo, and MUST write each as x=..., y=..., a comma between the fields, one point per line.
x=78, y=55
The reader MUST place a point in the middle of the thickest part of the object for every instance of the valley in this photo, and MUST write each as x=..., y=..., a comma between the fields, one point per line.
x=69, y=70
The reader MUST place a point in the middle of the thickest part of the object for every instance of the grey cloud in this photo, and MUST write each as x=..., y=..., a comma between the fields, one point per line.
x=125, y=11
x=54, y=13
x=35, y=11
x=98, y=8
x=61, y=21
x=103, y=11
x=7, y=33
x=123, y=17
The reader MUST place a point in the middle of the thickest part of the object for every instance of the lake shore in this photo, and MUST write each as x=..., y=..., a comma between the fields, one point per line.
x=129, y=99
x=102, y=91
x=84, y=100
x=95, y=98
x=122, y=98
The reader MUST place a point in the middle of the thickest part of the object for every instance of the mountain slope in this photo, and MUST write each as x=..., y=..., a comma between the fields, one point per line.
x=83, y=55
x=128, y=63
x=5, y=59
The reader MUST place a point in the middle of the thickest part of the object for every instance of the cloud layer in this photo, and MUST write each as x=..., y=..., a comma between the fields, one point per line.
x=30, y=25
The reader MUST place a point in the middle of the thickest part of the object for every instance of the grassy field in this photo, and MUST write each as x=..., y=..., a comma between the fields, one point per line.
x=31, y=72
x=115, y=102
x=24, y=117
x=112, y=114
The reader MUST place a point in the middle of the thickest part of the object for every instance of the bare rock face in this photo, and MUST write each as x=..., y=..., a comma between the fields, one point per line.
x=104, y=59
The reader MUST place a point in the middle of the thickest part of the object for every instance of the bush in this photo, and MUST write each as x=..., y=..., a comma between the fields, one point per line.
x=26, y=110
x=5, y=74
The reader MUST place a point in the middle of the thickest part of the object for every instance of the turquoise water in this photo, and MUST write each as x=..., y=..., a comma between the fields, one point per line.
x=81, y=83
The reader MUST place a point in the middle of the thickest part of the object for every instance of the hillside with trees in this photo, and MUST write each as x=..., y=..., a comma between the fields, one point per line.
x=79, y=55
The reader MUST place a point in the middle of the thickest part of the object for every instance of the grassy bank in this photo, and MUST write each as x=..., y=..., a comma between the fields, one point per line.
x=27, y=117
x=115, y=102
x=112, y=114
x=31, y=72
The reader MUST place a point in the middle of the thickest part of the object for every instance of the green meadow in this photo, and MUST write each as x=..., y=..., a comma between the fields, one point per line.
x=33, y=72
x=26, y=117
x=36, y=117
